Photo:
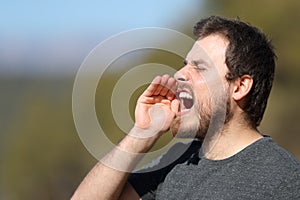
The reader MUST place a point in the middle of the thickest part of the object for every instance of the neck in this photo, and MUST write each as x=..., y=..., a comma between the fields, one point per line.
x=230, y=140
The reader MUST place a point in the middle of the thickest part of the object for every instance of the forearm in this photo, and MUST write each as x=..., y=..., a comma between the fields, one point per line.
x=102, y=182
x=109, y=176
x=155, y=110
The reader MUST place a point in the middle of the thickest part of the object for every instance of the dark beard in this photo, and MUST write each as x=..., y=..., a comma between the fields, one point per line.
x=220, y=117
x=196, y=130
x=208, y=122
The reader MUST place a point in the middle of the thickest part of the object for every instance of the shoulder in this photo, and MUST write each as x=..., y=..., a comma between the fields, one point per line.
x=267, y=161
x=289, y=188
x=274, y=165
x=273, y=154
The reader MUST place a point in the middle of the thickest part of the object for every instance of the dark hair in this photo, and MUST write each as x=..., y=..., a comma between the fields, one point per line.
x=249, y=52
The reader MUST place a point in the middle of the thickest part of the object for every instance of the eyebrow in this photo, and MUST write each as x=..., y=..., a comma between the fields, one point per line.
x=195, y=62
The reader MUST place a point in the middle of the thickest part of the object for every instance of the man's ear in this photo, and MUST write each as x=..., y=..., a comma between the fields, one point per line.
x=242, y=87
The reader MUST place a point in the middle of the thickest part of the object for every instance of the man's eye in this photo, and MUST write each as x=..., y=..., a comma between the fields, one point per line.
x=200, y=68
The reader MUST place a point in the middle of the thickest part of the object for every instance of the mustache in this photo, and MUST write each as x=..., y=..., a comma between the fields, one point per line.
x=184, y=86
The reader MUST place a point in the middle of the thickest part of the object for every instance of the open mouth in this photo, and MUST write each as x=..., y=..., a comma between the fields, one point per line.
x=186, y=101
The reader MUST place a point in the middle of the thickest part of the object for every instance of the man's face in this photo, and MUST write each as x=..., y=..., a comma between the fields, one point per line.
x=201, y=87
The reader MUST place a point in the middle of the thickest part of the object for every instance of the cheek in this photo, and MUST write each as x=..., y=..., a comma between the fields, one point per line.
x=208, y=87
x=216, y=86
x=202, y=95
x=211, y=79
x=199, y=82
x=202, y=86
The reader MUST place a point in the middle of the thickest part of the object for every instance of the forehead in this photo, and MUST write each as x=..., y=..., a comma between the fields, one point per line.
x=211, y=49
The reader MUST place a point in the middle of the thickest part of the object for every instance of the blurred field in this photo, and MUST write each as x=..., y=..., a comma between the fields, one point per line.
x=41, y=151
x=41, y=155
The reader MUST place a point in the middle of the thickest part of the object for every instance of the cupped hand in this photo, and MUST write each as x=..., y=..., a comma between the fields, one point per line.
x=157, y=106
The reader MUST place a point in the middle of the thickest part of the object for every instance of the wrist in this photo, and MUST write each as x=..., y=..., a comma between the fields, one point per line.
x=139, y=140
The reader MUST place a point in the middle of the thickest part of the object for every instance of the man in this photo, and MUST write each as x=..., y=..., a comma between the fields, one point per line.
x=219, y=98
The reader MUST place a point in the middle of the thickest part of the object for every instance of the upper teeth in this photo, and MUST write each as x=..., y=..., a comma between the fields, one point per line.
x=185, y=95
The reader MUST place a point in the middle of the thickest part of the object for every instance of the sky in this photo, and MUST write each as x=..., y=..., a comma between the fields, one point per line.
x=53, y=37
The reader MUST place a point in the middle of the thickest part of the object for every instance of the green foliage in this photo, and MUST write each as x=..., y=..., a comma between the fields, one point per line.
x=42, y=156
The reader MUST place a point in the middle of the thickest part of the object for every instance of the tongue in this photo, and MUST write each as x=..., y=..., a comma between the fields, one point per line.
x=187, y=103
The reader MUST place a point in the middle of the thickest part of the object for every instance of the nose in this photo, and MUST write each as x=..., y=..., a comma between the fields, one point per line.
x=182, y=74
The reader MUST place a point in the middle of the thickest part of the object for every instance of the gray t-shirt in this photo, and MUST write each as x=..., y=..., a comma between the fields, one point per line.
x=263, y=170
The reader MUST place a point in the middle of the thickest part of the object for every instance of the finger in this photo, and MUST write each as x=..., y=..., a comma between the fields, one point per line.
x=175, y=105
x=163, y=82
x=167, y=86
x=172, y=89
x=153, y=99
x=152, y=87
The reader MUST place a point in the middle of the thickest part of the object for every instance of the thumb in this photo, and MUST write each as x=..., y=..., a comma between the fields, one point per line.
x=157, y=117
x=175, y=106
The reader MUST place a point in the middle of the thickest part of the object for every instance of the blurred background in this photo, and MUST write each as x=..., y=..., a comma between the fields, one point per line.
x=42, y=45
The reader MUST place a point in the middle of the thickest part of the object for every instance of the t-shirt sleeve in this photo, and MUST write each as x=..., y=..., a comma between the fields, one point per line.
x=147, y=181
x=290, y=187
